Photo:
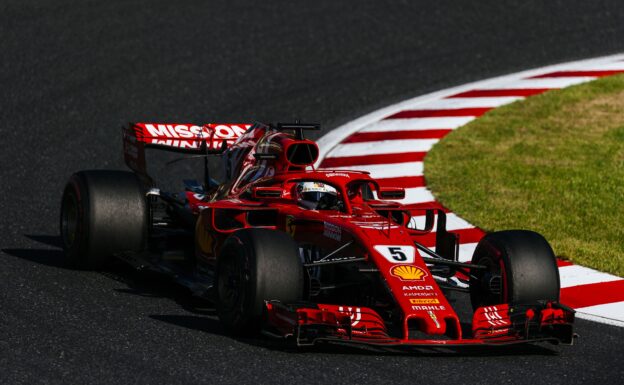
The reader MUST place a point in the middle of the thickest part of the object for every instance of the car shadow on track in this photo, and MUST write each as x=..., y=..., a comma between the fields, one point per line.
x=48, y=257
x=53, y=258
x=490, y=351
x=203, y=324
x=213, y=326
x=139, y=283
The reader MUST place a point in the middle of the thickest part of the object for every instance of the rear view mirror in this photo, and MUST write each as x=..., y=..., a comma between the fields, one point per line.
x=391, y=193
x=266, y=192
x=422, y=220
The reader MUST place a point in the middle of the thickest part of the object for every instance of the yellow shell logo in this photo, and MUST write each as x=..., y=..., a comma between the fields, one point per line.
x=408, y=273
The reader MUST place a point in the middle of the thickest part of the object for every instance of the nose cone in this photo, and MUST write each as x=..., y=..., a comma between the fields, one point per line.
x=427, y=322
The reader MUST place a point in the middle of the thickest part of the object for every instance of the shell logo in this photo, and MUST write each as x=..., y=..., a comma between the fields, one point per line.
x=408, y=273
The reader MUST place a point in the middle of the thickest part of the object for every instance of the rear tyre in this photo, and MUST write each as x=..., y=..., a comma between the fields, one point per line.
x=255, y=265
x=103, y=212
x=521, y=269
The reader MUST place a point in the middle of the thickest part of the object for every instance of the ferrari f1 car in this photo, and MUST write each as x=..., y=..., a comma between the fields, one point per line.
x=307, y=254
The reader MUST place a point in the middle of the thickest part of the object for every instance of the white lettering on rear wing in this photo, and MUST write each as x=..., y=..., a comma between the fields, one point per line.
x=188, y=136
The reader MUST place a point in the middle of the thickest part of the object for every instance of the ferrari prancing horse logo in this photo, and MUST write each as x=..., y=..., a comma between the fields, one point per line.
x=204, y=237
x=290, y=225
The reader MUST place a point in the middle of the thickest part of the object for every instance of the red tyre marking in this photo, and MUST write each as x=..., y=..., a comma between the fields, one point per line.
x=504, y=285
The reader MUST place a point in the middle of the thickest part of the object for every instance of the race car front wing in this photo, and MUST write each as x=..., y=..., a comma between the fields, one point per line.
x=491, y=325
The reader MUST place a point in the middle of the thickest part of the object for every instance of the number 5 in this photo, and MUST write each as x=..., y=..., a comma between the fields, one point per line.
x=397, y=254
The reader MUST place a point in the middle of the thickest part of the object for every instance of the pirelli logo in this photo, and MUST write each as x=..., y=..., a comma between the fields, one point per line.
x=424, y=301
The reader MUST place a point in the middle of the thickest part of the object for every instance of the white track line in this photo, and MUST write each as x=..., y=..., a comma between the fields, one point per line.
x=453, y=222
x=417, y=124
x=388, y=170
x=609, y=313
x=477, y=102
x=416, y=195
x=575, y=275
x=382, y=147
x=552, y=83
x=613, y=66
x=466, y=250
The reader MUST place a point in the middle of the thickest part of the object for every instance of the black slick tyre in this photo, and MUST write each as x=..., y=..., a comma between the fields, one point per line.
x=103, y=212
x=521, y=269
x=255, y=265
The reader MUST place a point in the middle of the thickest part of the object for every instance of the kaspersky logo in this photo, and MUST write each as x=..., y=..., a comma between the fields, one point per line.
x=408, y=272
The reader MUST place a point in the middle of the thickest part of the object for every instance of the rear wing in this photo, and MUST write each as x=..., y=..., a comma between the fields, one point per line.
x=212, y=138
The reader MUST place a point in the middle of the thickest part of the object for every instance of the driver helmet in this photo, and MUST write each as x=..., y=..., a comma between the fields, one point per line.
x=310, y=193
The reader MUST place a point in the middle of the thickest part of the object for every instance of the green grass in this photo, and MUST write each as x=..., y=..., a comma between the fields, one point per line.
x=552, y=163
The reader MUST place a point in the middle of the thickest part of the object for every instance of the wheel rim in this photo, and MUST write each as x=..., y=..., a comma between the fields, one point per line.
x=231, y=284
x=69, y=219
x=492, y=283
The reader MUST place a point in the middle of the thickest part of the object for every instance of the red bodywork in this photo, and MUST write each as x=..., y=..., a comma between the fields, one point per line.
x=262, y=167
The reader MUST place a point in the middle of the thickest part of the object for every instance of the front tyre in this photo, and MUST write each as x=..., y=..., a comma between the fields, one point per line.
x=255, y=265
x=103, y=212
x=521, y=269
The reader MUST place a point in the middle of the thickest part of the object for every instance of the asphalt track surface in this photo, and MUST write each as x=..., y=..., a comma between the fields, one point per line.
x=72, y=72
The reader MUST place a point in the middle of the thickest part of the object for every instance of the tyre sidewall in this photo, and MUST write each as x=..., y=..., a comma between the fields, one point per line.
x=236, y=250
x=528, y=267
x=112, y=217
x=272, y=271
x=77, y=191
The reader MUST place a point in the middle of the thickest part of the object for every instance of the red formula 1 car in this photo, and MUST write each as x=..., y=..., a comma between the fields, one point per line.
x=309, y=255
